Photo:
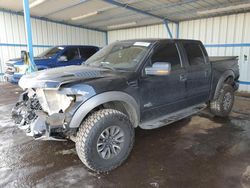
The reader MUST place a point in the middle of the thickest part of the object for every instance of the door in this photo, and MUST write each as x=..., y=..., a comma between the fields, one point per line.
x=161, y=95
x=70, y=56
x=198, y=73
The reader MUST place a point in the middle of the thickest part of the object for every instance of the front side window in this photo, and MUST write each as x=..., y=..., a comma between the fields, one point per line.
x=168, y=53
x=194, y=54
x=120, y=55
x=71, y=54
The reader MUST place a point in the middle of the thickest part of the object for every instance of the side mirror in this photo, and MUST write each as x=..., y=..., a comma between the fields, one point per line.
x=159, y=69
x=62, y=58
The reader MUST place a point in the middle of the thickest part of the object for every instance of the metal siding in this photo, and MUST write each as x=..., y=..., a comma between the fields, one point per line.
x=231, y=29
x=12, y=31
x=152, y=31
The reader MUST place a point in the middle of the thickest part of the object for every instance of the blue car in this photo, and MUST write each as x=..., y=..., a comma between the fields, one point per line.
x=57, y=56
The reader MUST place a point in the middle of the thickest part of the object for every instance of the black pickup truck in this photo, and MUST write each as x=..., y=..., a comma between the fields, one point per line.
x=127, y=84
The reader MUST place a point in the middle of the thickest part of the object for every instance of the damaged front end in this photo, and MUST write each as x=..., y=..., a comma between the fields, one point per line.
x=50, y=100
x=42, y=114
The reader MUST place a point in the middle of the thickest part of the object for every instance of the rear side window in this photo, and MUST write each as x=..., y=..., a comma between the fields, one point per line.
x=167, y=52
x=87, y=52
x=194, y=54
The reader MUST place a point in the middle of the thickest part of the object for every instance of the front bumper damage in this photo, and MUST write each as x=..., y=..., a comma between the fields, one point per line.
x=28, y=114
x=51, y=99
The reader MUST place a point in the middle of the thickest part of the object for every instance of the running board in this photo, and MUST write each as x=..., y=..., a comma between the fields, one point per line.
x=173, y=117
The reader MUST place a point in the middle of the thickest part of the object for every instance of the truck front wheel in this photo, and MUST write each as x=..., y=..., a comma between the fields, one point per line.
x=105, y=140
x=222, y=106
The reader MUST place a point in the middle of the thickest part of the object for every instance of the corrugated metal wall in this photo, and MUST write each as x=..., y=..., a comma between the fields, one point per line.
x=45, y=34
x=152, y=31
x=222, y=36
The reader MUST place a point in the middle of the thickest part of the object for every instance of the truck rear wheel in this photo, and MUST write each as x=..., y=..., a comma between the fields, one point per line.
x=105, y=140
x=222, y=106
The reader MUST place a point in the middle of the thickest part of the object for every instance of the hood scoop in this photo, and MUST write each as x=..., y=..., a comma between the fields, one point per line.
x=85, y=74
x=88, y=74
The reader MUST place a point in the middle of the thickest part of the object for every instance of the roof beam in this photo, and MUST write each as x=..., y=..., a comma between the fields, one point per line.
x=168, y=29
x=126, y=6
x=65, y=8
x=171, y=5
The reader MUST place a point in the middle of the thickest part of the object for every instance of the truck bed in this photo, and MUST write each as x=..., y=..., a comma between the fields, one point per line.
x=222, y=58
x=223, y=63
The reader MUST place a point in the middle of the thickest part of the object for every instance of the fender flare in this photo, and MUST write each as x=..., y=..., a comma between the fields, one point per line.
x=103, y=98
x=221, y=81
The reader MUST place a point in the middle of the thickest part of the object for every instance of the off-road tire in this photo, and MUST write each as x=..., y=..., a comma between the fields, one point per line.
x=217, y=107
x=89, y=132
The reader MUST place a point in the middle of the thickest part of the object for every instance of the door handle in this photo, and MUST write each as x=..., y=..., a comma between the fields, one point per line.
x=183, y=78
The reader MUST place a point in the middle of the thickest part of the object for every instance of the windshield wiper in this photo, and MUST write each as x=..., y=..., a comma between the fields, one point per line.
x=101, y=65
x=107, y=67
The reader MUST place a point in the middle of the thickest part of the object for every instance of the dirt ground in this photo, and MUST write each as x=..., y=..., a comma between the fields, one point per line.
x=200, y=151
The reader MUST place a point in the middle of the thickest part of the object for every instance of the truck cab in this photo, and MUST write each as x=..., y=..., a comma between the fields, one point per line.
x=57, y=56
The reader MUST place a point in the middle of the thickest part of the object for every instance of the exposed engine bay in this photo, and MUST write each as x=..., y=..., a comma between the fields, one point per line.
x=24, y=111
x=41, y=113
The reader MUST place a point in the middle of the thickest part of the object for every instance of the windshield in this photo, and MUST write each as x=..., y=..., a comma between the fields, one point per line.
x=119, y=55
x=50, y=52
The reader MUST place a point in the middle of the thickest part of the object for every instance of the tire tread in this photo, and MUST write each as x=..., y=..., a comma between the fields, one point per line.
x=84, y=134
x=216, y=105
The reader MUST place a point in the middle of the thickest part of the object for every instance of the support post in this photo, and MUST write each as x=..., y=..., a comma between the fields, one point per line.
x=168, y=29
x=26, y=11
x=177, y=30
x=106, y=37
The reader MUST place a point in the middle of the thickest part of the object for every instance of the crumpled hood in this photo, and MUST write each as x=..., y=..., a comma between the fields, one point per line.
x=54, y=78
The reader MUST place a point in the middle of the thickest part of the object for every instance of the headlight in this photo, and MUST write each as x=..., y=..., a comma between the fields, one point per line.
x=53, y=102
x=9, y=67
x=21, y=68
